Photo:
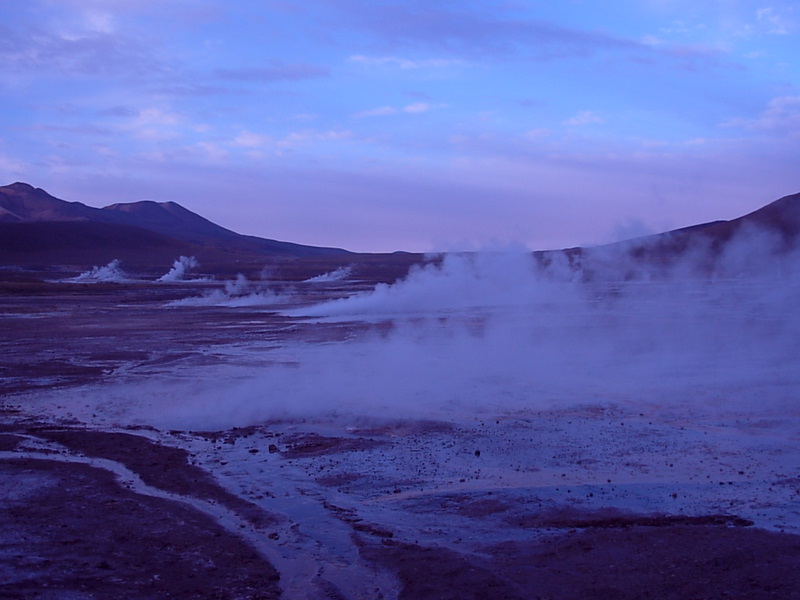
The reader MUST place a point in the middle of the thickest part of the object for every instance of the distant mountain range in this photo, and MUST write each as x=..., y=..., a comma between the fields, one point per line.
x=770, y=232
x=37, y=228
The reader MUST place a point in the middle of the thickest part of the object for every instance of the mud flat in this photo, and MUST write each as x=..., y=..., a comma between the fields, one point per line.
x=107, y=493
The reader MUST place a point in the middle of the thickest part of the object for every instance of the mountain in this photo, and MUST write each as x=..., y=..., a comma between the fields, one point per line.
x=39, y=229
x=169, y=218
x=87, y=243
x=22, y=203
x=36, y=227
x=781, y=217
x=780, y=220
x=751, y=241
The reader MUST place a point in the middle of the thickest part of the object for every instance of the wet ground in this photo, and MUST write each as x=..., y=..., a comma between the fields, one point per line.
x=596, y=501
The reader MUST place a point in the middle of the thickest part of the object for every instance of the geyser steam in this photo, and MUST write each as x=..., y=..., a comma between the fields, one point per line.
x=112, y=272
x=179, y=269
x=508, y=332
x=235, y=293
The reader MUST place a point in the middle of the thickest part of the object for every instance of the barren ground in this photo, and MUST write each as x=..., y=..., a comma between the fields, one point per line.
x=585, y=503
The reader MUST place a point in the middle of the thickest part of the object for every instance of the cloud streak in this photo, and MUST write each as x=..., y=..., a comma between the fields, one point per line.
x=781, y=116
x=96, y=54
x=405, y=63
x=415, y=108
x=272, y=73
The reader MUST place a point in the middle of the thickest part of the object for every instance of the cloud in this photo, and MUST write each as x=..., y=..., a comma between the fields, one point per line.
x=378, y=112
x=405, y=63
x=28, y=51
x=584, y=117
x=772, y=21
x=212, y=151
x=412, y=109
x=421, y=107
x=459, y=30
x=11, y=167
x=117, y=111
x=781, y=116
x=156, y=124
x=248, y=139
x=275, y=72
x=80, y=130
x=486, y=32
x=536, y=134
x=311, y=136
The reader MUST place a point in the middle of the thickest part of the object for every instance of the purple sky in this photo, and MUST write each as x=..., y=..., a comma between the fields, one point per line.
x=379, y=125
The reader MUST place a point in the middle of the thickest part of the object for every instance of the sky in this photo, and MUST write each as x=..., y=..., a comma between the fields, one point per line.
x=419, y=125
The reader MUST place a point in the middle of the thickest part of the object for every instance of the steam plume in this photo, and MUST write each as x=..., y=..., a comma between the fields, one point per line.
x=179, y=269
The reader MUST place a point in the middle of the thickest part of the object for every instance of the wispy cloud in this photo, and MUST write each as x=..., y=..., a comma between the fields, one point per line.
x=772, y=21
x=584, y=117
x=248, y=139
x=405, y=63
x=311, y=136
x=156, y=124
x=276, y=71
x=781, y=117
x=10, y=167
x=467, y=33
x=212, y=151
x=536, y=134
x=117, y=111
x=461, y=30
x=421, y=107
x=381, y=111
x=411, y=109
x=82, y=130
x=32, y=51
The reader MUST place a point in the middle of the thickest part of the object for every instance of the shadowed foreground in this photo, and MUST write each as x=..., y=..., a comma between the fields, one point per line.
x=116, y=484
x=71, y=531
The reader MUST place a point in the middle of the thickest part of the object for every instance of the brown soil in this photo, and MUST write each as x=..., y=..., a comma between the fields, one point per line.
x=665, y=562
x=160, y=466
x=72, y=532
x=304, y=445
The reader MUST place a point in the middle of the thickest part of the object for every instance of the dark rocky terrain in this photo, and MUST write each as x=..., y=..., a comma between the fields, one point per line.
x=623, y=497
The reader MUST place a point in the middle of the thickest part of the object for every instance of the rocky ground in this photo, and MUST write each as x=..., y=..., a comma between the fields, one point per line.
x=589, y=502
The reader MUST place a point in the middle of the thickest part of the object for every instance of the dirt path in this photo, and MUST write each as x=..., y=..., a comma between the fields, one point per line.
x=71, y=531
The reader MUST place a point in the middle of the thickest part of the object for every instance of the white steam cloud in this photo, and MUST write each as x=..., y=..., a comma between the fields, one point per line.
x=480, y=281
x=180, y=268
x=508, y=332
x=335, y=275
x=112, y=272
x=239, y=292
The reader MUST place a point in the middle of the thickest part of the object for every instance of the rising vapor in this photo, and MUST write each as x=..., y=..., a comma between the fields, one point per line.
x=506, y=332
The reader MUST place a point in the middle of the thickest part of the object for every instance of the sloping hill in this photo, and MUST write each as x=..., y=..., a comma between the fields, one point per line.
x=88, y=243
x=781, y=216
x=761, y=237
x=39, y=229
x=22, y=203
x=169, y=218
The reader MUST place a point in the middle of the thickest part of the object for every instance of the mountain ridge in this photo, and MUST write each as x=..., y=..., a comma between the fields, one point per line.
x=39, y=229
x=22, y=203
x=770, y=232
